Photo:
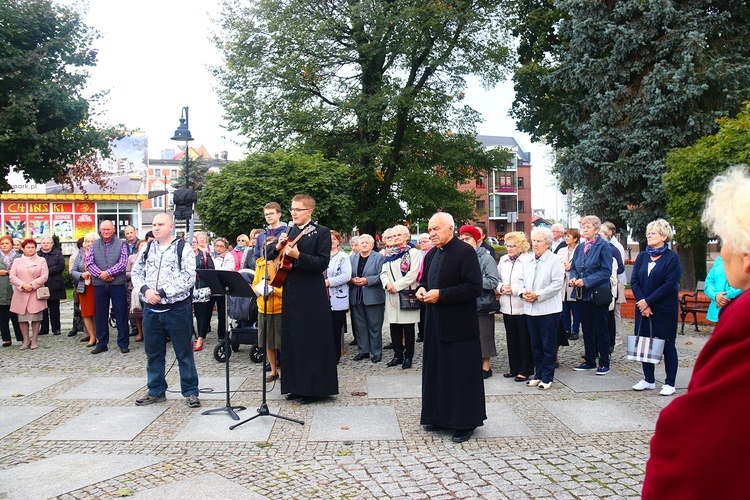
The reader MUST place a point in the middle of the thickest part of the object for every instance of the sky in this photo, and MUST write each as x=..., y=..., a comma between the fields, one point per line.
x=154, y=57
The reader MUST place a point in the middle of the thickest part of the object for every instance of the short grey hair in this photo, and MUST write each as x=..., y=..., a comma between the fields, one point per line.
x=544, y=232
x=445, y=216
x=592, y=219
x=366, y=237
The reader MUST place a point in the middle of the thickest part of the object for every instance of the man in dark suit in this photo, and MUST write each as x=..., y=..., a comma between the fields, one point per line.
x=367, y=299
x=452, y=383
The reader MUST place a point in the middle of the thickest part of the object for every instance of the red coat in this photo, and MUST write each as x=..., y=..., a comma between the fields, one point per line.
x=28, y=270
x=700, y=447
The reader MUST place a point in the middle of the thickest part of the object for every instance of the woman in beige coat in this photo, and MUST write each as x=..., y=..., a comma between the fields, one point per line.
x=26, y=275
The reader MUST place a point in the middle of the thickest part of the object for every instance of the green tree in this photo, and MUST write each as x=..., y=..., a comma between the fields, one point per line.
x=375, y=85
x=231, y=202
x=689, y=173
x=614, y=85
x=46, y=129
x=197, y=173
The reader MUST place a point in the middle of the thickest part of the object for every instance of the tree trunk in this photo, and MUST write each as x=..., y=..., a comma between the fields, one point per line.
x=693, y=261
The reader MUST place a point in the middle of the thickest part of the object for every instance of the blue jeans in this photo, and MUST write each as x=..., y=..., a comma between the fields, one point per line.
x=118, y=295
x=571, y=308
x=670, y=365
x=177, y=323
x=543, y=333
x=595, y=332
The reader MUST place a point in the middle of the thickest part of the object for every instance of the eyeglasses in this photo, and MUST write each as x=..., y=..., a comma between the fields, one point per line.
x=219, y=245
x=296, y=210
x=652, y=233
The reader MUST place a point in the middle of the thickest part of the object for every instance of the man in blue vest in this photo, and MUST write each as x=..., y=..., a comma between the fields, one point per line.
x=106, y=263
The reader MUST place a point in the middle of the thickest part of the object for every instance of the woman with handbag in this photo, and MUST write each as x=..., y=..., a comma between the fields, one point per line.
x=85, y=287
x=338, y=274
x=487, y=304
x=399, y=278
x=656, y=284
x=202, y=304
x=27, y=275
x=590, y=271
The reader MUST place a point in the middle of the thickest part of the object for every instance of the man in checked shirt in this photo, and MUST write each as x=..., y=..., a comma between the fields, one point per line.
x=107, y=263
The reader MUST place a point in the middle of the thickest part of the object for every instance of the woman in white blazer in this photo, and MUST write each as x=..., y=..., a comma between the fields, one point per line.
x=540, y=286
x=517, y=338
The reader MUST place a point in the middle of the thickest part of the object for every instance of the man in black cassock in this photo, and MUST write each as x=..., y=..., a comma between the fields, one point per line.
x=452, y=384
x=308, y=364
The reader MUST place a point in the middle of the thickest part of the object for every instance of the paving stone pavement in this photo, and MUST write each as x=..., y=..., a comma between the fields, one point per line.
x=69, y=429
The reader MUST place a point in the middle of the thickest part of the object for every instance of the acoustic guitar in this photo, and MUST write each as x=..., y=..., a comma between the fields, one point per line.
x=282, y=264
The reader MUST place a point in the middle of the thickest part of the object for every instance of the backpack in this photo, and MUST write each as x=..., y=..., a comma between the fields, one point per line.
x=180, y=248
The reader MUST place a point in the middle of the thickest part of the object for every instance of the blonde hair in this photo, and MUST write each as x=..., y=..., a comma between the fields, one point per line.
x=92, y=236
x=727, y=212
x=520, y=239
x=662, y=227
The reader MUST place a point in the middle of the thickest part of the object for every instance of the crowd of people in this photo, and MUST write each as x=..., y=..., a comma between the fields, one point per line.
x=551, y=288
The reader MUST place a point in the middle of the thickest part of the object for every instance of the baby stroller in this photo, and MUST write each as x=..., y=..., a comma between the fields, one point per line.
x=243, y=311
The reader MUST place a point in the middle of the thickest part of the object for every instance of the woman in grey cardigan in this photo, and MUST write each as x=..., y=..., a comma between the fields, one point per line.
x=490, y=279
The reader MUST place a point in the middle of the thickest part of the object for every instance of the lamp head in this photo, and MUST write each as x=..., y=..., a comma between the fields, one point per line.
x=182, y=133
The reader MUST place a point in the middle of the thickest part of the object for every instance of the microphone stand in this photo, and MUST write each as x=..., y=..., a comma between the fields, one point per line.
x=263, y=410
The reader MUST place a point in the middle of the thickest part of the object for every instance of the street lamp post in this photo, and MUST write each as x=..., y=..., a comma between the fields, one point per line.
x=183, y=134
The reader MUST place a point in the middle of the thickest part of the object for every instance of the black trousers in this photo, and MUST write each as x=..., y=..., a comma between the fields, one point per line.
x=5, y=316
x=402, y=338
x=51, y=316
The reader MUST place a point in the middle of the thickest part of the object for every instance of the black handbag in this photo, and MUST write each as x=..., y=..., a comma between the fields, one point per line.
x=408, y=299
x=487, y=302
x=601, y=296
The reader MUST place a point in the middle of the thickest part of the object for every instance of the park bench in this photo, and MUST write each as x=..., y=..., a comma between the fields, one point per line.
x=689, y=304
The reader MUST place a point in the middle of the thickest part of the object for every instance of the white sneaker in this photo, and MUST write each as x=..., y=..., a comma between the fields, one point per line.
x=533, y=382
x=544, y=386
x=667, y=390
x=643, y=386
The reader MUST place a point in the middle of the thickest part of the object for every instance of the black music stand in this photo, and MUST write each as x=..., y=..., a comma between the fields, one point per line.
x=263, y=408
x=222, y=282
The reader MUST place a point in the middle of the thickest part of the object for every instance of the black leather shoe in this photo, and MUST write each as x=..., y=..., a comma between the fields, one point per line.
x=56, y=332
x=376, y=359
x=462, y=435
x=388, y=346
x=420, y=339
x=353, y=342
x=72, y=333
x=309, y=399
x=407, y=364
x=292, y=397
x=395, y=361
x=431, y=428
x=99, y=348
x=573, y=336
x=124, y=350
x=43, y=333
x=487, y=373
x=361, y=356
